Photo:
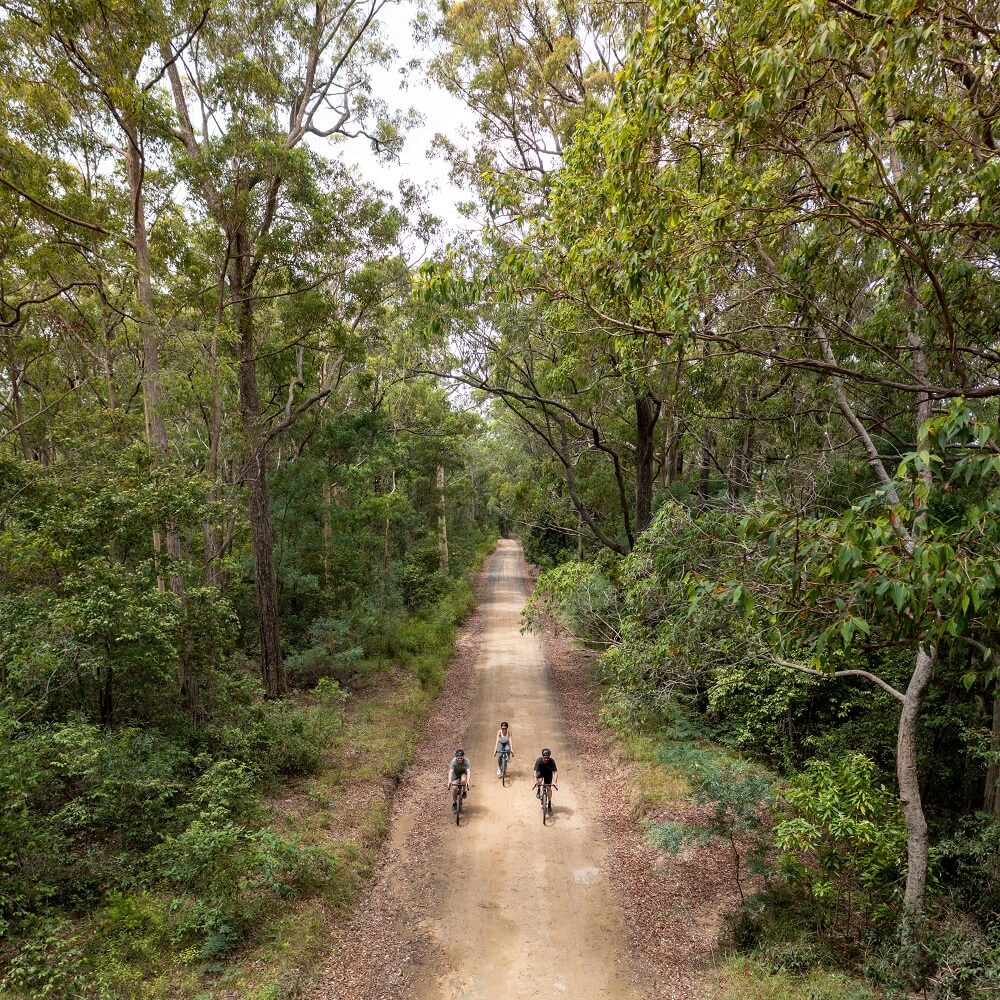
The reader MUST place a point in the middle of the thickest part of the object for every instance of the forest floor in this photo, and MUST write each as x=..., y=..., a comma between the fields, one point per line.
x=502, y=906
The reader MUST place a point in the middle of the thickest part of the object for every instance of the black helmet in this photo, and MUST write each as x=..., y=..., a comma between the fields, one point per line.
x=546, y=752
x=502, y=724
x=459, y=753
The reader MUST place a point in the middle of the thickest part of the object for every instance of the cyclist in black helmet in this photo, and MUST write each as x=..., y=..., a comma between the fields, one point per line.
x=546, y=773
x=459, y=773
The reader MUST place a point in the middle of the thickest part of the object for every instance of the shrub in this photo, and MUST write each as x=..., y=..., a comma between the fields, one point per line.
x=229, y=876
x=47, y=963
x=274, y=739
x=420, y=586
x=843, y=842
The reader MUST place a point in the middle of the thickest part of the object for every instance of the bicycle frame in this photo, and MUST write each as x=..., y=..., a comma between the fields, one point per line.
x=546, y=798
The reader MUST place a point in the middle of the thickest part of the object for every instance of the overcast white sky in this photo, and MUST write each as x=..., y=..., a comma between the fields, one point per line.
x=403, y=88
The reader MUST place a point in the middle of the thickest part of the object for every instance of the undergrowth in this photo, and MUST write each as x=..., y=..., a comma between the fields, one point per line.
x=152, y=869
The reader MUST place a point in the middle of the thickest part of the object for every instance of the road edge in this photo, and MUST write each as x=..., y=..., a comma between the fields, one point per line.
x=671, y=905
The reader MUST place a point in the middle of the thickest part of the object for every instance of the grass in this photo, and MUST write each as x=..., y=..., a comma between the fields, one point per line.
x=742, y=979
x=345, y=807
x=658, y=783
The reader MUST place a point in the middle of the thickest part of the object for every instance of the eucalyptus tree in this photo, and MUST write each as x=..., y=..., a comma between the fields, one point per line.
x=530, y=71
x=110, y=90
x=260, y=83
x=533, y=73
x=814, y=187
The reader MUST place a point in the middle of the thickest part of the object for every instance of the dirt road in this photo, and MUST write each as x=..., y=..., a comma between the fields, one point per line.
x=525, y=910
x=501, y=907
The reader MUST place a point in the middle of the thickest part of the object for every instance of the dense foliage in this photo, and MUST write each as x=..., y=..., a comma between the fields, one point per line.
x=729, y=335
x=738, y=303
x=229, y=501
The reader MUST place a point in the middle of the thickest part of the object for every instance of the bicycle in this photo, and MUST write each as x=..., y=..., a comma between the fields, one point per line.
x=458, y=802
x=504, y=756
x=546, y=799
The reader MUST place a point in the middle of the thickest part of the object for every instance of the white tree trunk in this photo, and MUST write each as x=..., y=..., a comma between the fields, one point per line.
x=917, y=839
x=442, y=522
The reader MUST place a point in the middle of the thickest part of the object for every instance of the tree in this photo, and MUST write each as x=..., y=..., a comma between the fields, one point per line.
x=246, y=99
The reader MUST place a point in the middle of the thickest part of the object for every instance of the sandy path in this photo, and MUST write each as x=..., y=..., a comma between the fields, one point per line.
x=500, y=907
x=526, y=910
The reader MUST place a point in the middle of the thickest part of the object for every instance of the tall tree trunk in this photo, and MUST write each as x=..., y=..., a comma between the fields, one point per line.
x=442, y=523
x=272, y=667
x=991, y=793
x=105, y=696
x=385, y=539
x=647, y=411
x=14, y=372
x=213, y=574
x=704, y=464
x=156, y=430
x=907, y=774
x=739, y=478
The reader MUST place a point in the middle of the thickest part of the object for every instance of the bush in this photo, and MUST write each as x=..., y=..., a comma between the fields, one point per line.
x=844, y=843
x=47, y=963
x=969, y=860
x=420, y=586
x=275, y=739
x=229, y=876
x=335, y=653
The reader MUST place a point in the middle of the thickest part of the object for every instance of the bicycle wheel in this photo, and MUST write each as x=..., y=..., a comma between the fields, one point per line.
x=458, y=810
x=545, y=807
x=503, y=769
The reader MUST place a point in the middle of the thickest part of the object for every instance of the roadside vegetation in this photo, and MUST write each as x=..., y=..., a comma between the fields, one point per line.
x=726, y=353
x=237, y=522
x=735, y=305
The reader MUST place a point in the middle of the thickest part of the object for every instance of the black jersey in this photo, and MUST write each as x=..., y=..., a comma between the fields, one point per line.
x=545, y=768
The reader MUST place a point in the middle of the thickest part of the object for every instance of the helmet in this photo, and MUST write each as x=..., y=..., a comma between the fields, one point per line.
x=502, y=724
x=546, y=752
x=459, y=753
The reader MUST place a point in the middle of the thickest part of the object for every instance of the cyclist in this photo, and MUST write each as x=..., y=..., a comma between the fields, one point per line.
x=546, y=773
x=504, y=744
x=459, y=772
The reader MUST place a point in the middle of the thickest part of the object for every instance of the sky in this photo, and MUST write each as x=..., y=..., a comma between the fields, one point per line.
x=403, y=88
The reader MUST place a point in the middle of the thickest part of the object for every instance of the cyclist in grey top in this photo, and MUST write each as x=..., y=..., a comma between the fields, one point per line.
x=459, y=773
